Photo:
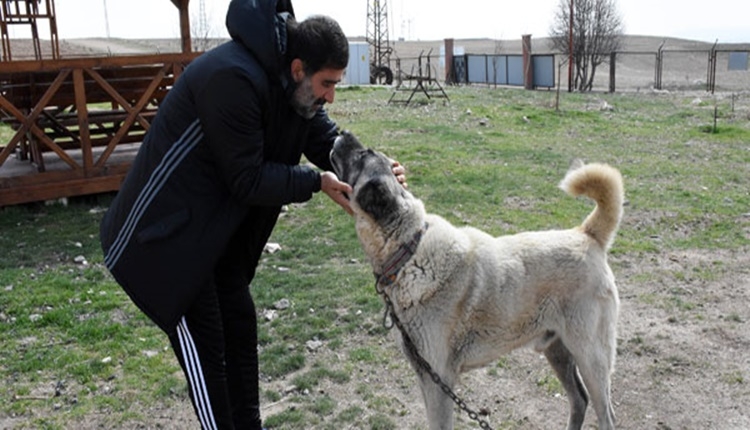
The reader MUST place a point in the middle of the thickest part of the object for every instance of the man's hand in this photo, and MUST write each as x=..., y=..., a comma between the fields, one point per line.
x=400, y=173
x=338, y=191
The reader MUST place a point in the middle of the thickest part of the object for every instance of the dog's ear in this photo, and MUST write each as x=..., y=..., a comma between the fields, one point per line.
x=376, y=198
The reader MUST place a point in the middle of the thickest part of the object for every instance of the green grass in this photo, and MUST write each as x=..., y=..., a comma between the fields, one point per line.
x=73, y=344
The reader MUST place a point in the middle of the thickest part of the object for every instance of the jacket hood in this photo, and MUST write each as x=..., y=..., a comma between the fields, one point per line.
x=257, y=26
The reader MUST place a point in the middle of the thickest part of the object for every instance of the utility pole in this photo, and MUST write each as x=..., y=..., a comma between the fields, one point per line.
x=377, y=38
x=106, y=18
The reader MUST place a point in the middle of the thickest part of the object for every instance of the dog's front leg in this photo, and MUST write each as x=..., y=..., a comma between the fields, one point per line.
x=438, y=405
x=428, y=358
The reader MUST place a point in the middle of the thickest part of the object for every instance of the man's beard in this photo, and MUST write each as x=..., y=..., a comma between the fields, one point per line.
x=304, y=101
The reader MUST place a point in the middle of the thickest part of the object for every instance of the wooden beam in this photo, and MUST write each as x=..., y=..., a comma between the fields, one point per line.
x=117, y=97
x=61, y=184
x=83, y=119
x=184, y=9
x=125, y=126
x=91, y=63
x=28, y=123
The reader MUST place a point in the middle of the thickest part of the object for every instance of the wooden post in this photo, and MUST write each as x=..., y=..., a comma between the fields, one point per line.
x=183, y=7
x=449, y=76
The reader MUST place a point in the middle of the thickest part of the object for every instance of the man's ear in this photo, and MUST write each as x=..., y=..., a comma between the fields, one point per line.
x=298, y=70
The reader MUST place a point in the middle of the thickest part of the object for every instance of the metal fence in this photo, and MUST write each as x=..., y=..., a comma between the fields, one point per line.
x=676, y=70
x=723, y=70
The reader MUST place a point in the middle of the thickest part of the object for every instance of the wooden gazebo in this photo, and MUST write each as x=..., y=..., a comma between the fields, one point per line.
x=76, y=122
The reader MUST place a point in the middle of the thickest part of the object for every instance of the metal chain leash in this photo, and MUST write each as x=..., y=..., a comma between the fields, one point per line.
x=423, y=364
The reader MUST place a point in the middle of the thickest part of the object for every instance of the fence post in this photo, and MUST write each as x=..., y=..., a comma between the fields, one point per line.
x=450, y=78
x=658, y=70
x=528, y=64
x=487, y=69
x=711, y=78
x=612, y=61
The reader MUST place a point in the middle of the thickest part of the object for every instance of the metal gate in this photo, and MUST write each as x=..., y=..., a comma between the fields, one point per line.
x=502, y=69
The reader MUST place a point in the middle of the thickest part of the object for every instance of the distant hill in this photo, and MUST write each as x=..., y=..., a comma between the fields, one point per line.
x=22, y=49
x=684, y=67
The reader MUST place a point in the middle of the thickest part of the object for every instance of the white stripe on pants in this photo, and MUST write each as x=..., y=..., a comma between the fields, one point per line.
x=194, y=372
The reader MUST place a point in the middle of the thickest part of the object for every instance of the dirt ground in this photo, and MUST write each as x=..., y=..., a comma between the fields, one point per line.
x=682, y=360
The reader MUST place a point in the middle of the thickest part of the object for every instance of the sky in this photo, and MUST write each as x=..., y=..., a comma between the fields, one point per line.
x=725, y=20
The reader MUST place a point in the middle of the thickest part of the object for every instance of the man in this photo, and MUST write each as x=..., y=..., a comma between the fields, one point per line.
x=184, y=234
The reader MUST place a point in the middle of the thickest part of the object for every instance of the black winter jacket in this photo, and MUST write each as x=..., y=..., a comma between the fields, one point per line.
x=224, y=147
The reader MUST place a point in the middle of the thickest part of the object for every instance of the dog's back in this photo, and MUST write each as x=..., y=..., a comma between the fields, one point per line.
x=603, y=184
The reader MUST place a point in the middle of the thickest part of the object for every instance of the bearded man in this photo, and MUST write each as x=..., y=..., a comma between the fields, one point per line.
x=187, y=228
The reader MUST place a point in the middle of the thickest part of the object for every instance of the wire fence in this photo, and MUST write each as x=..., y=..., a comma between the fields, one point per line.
x=688, y=70
x=712, y=70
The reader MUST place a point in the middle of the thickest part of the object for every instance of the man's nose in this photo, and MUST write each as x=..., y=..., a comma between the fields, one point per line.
x=330, y=95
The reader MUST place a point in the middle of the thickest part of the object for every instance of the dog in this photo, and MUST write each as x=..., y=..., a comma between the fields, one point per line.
x=465, y=298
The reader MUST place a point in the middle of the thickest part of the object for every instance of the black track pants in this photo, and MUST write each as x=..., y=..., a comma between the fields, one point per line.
x=222, y=366
x=216, y=345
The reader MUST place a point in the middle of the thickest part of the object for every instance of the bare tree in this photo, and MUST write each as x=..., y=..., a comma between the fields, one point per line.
x=496, y=59
x=597, y=32
x=201, y=32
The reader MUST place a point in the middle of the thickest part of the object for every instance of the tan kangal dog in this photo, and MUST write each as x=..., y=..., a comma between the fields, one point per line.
x=465, y=298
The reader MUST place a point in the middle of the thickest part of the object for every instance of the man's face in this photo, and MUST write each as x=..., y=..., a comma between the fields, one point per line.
x=313, y=91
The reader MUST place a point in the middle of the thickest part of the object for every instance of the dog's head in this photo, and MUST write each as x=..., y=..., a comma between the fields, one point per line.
x=376, y=191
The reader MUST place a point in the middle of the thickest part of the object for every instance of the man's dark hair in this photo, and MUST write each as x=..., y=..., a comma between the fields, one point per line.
x=319, y=42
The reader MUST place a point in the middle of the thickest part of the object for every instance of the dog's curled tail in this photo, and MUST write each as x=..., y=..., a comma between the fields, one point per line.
x=603, y=184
